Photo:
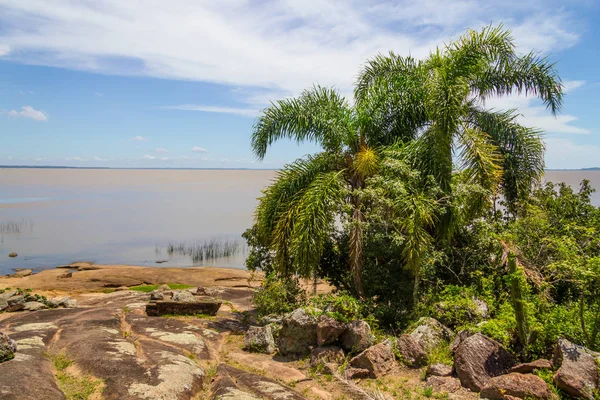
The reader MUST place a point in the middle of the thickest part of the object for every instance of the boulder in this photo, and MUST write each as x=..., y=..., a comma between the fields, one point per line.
x=163, y=288
x=328, y=330
x=200, y=291
x=156, y=295
x=411, y=352
x=13, y=255
x=34, y=306
x=183, y=296
x=8, y=347
x=260, y=339
x=430, y=333
x=446, y=384
x=378, y=359
x=356, y=373
x=22, y=273
x=517, y=385
x=439, y=369
x=357, y=337
x=7, y=294
x=326, y=355
x=3, y=304
x=528, y=368
x=478, y=359
x=483, y=310
x=578, y=369
x=70, y=304
x=16, y=303
x=298, y=333
x=272, y=319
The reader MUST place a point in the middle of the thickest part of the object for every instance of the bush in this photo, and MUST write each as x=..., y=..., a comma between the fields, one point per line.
x=278, y=296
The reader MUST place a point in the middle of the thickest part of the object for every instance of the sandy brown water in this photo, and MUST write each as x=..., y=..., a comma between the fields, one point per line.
x=122, y=216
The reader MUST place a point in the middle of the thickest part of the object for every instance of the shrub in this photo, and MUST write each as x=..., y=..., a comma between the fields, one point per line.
x=278, y=296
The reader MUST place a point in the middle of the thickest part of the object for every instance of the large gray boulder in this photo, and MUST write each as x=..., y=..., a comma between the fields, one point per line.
x=328, y=330
x=411, y=352
x=517, y=385
x=3, y=304
x=16, y=303
x=378, y=359
x=578, y=372
x=184, y=297
x=357, y=337
x=325, y=355
x=8, y=347
x=260, y=339
x=430, y=333
x=34, y=306
x=298, y=333
x=478, y=359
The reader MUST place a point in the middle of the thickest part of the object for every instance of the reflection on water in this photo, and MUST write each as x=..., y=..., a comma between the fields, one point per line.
x=123, y=216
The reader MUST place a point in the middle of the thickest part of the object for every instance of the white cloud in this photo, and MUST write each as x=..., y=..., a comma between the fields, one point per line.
x=245, y=112
x=75, y=159
x=4, y=49
x=139, y=139
x=198, y=149
x=99, y=94
x=161, y=150
x=565, y=154
x=274, y=47
x=148, y=157
x=29, y=112
x=99, y=159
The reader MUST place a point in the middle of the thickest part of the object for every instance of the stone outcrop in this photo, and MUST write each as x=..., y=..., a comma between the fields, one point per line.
x=260, y=339
x=378, y=359
x=8, y=347
x=298, y=333
x=357, y=337
x=462, y=335
x=578, y=369
x=204, y=307
x=411, y=352
x=478, y=359
x=530, y=367
x=439, y=369
x=328, y=330
x=517, y=385
x=430, y=333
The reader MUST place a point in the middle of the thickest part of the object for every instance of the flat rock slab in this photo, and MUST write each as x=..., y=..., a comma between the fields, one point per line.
x=232, y=383
x=206, y=307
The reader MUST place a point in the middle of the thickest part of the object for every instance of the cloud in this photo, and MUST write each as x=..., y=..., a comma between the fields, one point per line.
x=75, y=159
x=99, y=94
x=565, y=154
x=139, y=139
x=245, y=112
x=198, y=149
x=274, y=46
x=99, y=159
x=161, y=150
x=29, y=112
x=569, y=86
x=4, y=50
x=148, y=157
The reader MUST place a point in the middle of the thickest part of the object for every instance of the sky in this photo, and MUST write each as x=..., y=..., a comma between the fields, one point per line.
x=180, y=83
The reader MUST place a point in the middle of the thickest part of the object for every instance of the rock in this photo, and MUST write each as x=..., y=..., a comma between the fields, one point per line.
x=328, y=330
x=70, y=304
x=271, y=319
x=482, y=308
x=121, y=288
x=517, y=385
x=578, y=371
x=183, y=296
x=65, y=302
x=206, y=307
x=13, y=254
x=161, y=261
x=16, y=303
x=22, y=273
x=378, y=359
x=479, y=358
x=65, y=275
x=163, y=288
x=260, y=339
x=411, y=352
x=8, y=348
x=3, y=304
x=439, y=369
x=7, y=294
x=357, y=337
x=156, y=295
x=34, y=306
x=326, y=355
x=446, y=384
x=298, y=333
x=528, y=368
x=430, y=333
x=200, y=291
x=462, y=335
x=356, y=373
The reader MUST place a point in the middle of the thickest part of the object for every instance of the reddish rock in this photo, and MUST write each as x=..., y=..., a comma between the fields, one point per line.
x=356, y=373
x=378, y=359
x=326, y=355
x=446, y=384
x=517, y=385
x=478, y=359
x=329, y=330
x=528, y=368
x=578, y=372
x=439, y=369
x=357, y=337
x=411, y=352
x=298, y=333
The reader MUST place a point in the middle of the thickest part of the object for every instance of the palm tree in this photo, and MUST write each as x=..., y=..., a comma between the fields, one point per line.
x=441, y=100
x=297, y=214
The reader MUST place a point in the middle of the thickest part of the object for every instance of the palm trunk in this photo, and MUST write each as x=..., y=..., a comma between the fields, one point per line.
x=356, y=250
x=417, y=273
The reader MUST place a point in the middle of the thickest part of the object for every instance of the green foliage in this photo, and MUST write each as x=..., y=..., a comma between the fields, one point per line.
x=440, y=354
x=278, y=296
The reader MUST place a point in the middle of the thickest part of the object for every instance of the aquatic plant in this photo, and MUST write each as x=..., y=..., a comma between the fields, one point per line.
x=207, y=251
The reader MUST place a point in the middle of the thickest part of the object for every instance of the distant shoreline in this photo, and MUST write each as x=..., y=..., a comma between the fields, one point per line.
x=132, y=168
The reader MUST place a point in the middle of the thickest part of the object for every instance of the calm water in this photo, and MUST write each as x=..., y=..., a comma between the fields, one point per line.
x=131, y=216
x=122, y=216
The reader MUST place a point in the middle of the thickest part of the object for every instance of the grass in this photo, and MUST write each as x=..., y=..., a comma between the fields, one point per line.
x=440, y=354
x=151, y=288
x=14, y=228
x=73, y=386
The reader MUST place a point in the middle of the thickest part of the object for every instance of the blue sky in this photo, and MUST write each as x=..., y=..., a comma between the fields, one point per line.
x=150, y=83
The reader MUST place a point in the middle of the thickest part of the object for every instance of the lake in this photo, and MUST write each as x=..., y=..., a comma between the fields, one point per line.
x=58, y=216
